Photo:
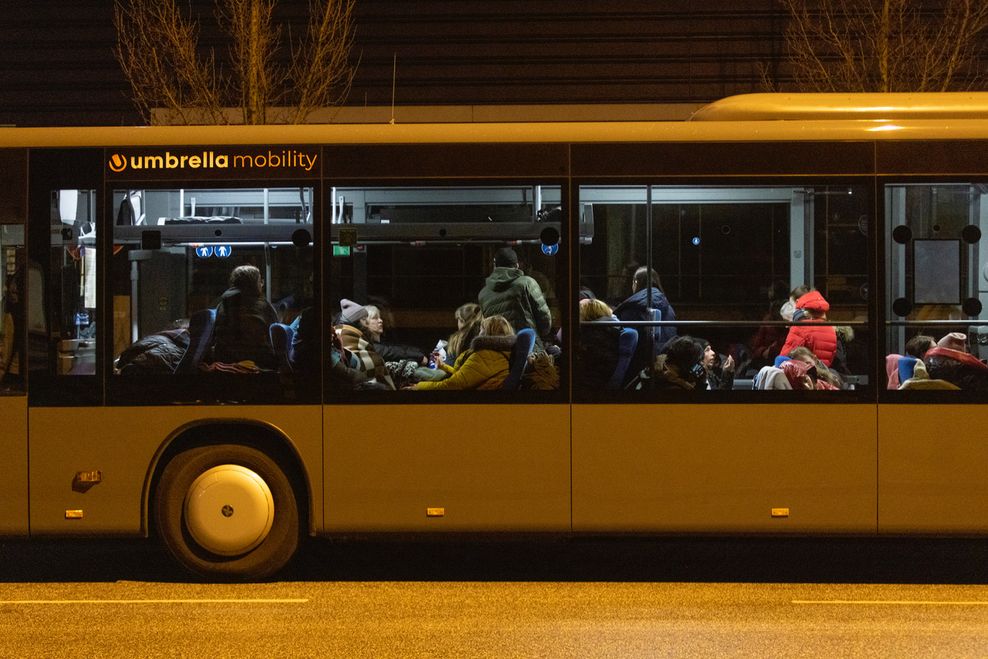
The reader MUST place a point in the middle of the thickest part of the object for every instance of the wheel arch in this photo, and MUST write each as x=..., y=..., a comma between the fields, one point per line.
x=252, y=433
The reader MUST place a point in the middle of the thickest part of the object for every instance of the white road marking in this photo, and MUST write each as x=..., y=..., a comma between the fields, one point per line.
x=160, y=601
x=897, y=602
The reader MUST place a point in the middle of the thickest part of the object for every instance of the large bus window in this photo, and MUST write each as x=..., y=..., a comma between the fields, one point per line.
x=445, y=288
x=72, y=303
x=208, y=286
x=688, y=288
x=937, y=326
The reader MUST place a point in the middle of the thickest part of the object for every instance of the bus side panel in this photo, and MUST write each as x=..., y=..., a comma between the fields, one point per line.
x=933, y=469
x=724, y=468
x=447, y=468
x=13, y=457
x=122, y=444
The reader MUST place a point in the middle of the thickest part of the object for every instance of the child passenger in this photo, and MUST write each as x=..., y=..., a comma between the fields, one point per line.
x=484, y=365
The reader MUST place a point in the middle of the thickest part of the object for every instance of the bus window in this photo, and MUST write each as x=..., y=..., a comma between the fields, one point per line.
x=203, y=278
x=72, y=303
x=937, y=328
x=683, y=288
x=445, y=288
x=13, y=277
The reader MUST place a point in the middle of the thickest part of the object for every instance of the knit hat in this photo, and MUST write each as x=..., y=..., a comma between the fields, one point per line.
x=506, y=258
x=954, y=341
x=813, y=301
x=351, y=312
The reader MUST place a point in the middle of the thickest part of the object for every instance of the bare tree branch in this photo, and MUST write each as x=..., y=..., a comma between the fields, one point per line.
x=158, y=50
x=884, y=45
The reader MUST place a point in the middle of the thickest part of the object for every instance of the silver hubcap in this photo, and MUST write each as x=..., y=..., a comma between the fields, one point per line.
x=229, y=510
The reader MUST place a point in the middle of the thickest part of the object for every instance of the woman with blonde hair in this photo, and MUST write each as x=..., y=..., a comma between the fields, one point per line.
x=597, y=353
x=468, y=319
x=484, y=365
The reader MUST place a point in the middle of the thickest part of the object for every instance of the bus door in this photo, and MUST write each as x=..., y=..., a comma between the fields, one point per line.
x=931, y=429
x=13, y=322
x=63, y=334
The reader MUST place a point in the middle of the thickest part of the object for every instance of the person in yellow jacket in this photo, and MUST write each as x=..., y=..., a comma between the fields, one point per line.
x=484, y=365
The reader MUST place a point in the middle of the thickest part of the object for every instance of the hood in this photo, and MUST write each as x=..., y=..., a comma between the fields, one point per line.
x=502, y=278
x=488, y=342
x=813, y=301
x=641, y=297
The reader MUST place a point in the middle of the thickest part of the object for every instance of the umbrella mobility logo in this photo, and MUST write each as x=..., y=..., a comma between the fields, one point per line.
x=271, y=159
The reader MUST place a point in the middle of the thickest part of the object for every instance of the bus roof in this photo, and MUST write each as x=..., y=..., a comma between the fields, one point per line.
x=744, y=118
x=887, y=106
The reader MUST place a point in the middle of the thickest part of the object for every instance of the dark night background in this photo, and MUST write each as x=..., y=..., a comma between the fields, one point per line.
x=57, y=65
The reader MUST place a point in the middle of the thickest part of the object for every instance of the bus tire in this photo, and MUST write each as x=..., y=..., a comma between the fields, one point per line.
x=227, y=512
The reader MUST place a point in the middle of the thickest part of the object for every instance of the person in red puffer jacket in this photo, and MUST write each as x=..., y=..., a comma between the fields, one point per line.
x=821, y=339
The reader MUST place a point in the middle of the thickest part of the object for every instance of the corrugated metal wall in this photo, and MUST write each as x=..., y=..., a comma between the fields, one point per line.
x=57, y=66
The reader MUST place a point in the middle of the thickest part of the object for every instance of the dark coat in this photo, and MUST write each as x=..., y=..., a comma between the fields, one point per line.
x=596, y=356
x=636, y=308
x=516, y=296
x=242, y=325
x=154, y=353
x=959, y=368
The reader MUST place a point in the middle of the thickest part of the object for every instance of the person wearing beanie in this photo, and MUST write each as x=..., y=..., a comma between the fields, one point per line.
x=949, y=360
x=351, y=313
x=352, y=339
x=810, y=332
x=511, y=293
x=719, y=368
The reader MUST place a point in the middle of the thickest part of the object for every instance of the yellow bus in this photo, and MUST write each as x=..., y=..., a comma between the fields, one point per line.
x=229, y=338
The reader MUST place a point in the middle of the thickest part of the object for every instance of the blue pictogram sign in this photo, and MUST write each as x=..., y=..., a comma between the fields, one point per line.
x=204, y=251
x=550, y=250
x=223, y=251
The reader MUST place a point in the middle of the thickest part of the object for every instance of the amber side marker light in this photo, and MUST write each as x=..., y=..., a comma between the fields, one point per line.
x=435, y=512
x=780, y=512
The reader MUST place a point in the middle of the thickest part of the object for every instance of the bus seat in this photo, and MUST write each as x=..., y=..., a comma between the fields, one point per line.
x=524, y=341
x=627, y=342
x=201, y=325
x=283, y=342
x=906, y=366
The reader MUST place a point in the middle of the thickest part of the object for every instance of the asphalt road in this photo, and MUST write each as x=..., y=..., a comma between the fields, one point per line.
x=537, y=598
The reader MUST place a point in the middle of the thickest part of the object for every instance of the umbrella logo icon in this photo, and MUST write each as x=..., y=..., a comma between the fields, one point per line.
x=117, y=163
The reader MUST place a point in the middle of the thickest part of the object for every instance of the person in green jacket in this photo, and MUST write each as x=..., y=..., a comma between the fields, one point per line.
x=484, y=365
x=511, y=293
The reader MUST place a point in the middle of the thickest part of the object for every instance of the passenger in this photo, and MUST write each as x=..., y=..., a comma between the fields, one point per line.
x=826, y=379
x=243, y=319
x=768, y=339
x=511, y=293
x=719, y=369
x=351, y=335
x=373, y=325
x=597, y=354
x=919, y=345
x=646, y=290
x=950, y=361
x=484, y=365
x=801, y=375
x=788, y=308
x=820, y=339
x=468, y=319
x=680, y=366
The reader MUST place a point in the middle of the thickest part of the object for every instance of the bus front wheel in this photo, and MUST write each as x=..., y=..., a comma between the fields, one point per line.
x=227, y=511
